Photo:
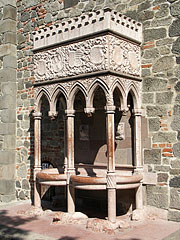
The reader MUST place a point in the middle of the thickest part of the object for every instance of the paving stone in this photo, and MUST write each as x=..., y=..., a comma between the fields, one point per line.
x=174, y=215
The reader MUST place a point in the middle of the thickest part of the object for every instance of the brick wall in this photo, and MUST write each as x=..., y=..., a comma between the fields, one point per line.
x=161, y=86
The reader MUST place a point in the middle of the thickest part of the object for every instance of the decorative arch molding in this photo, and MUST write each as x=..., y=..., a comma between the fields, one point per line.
x=135, y=95
x=38, y=99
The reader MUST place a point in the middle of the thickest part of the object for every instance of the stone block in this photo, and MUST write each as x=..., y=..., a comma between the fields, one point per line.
x=156, y=111
x=154, y=124
x=152, y=156
x=177, y=88
x=7, y=49
x=7, y=157
x=9, y=142
x=175, y=9
x=175, y=171
x=176, y=46
x=9, y=12
x=176, y=109
x=164, y=98
x=163, y=64
x=175, y=123
x=7, y=187
x=154, y=34
x=8, y=198
x=25, y=184
x=7, y=2
x=174, y=29
x=8, y=116
x=175, y=198
x=21, y=38
x=8, y=75
x=148, y=98
x=154, y=84
x=175, y=163
x=162, y=177
x=7, y=102
x=22, y=171
x=8, y=25
x=7, y=128
x=174, y=215
x=164, y=137
x=25, y=16
x=151, y=53
x=157, y=200
x=10, y=37
x=10, y=62
x=175, y=182
x=7, y=172
x=9, y=88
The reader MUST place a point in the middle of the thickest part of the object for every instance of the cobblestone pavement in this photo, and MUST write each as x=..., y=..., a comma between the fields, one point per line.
x=16, y=226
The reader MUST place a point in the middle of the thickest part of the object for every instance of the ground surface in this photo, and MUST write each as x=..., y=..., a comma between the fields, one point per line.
x=15, y=226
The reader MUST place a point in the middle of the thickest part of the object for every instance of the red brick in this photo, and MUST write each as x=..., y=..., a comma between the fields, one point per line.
x=146, y=65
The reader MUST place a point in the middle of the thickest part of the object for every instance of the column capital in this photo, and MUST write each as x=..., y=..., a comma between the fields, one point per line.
x=89, y=111
x=70, y=112
x=37, y=115
x=110, y=109
x=137, y=112
x=52, y=114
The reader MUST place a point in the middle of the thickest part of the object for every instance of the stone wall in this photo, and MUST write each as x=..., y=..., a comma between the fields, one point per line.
x=161, y=86
x=8, y=65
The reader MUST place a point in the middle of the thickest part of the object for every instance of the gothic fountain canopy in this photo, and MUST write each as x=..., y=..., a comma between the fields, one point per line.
x=92, y=44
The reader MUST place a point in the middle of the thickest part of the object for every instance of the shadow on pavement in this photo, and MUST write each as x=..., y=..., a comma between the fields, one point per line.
x=9, y=226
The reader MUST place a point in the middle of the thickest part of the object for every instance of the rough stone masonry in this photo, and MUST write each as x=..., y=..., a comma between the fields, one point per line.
x=161, y=90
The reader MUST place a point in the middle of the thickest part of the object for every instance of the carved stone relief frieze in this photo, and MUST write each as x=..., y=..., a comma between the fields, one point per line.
x=124, y=56
x=77, y=58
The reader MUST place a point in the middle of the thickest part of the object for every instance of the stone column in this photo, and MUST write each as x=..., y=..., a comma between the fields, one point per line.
x=70, y=114
x=111, y=175
x=37, y=156
x=138, y=155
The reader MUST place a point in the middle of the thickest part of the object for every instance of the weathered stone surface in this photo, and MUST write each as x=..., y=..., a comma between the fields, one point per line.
x=174, y=216
x=25, y=184
x=157, y=199
x=9, y=142
x=156, y=111
x=22, y=171
x=175, y=9
x=162, y=177
x=71, y=3
x=174, y=29
x=8, y=2
x=163, y=11
x=175, y=198
x=154, y=124
x=7, y=49
x=163, y=137
x=7, y=157
x=175, y=123
x=9, y=12
x=7, y=198
x=7, y=186
x=25, y=16
x=8, y=25
x=152, y=156
x=154, y=84
x=145, y=15
x=175, y=163
x=177, y=88
x=9, y=62
x=164, y=98
x=154, y=34
x=148, y=98
x=176, y=46
x=151, y=53
x=143, y=6
x=10, y=37
x=176, y=149
x=22, y=195
x=8, y=116
x=162, y=168
x=176, y=109
x=163, y=64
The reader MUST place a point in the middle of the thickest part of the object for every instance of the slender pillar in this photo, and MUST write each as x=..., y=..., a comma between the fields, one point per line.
x=137, y=138
x=37, y=157
x=70, y=160
x=138, y=155
x=111, y=175
x=65, y=144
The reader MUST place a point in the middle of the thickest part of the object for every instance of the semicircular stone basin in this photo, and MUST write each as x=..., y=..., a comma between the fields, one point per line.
x=99, y=183
x=51, y=177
